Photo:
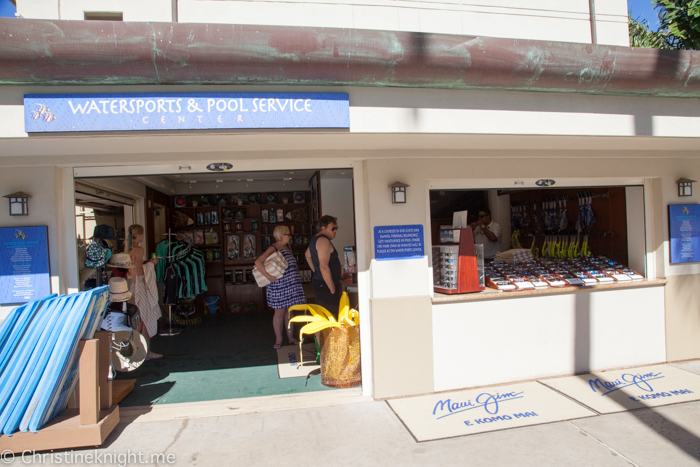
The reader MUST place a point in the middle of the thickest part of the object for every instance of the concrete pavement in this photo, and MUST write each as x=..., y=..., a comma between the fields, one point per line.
x=357, y=431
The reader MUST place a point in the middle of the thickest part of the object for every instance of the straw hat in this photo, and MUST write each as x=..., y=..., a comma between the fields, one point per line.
x=119, y=289
x=129, y=350
x=121, y=260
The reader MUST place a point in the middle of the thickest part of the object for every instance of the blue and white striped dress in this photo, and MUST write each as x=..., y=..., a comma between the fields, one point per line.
x=287, y=290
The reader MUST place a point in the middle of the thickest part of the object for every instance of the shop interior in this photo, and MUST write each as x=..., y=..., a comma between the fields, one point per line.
x=217, y=341
x=576, y=236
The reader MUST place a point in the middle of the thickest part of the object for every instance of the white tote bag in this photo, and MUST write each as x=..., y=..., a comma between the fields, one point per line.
x=275, y=265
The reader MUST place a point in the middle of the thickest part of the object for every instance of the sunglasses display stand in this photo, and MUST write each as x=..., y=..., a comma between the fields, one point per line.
x=458, y=267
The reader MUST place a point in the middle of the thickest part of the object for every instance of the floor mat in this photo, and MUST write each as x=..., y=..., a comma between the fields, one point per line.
x=635, y=388
x=227, y=356
x=468, y=412
x=288, y=361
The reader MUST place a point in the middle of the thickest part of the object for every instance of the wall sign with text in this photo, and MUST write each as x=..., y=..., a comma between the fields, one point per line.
x=398, y=242
x=24, y=264
x=184, y=111
x=684, y=232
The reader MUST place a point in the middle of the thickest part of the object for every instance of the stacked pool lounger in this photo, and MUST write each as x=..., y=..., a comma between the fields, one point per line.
x=39, y=356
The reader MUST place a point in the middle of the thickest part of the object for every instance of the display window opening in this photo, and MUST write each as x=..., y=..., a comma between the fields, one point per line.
x=218, y=328
x=539, y=238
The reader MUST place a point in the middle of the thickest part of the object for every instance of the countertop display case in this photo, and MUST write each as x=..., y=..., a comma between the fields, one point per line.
x=458, y=267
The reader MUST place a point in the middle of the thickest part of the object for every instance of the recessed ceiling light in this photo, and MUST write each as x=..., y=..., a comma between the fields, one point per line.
x=291, y=172
x=239, y=180
x=177, y=176
x=341, y=173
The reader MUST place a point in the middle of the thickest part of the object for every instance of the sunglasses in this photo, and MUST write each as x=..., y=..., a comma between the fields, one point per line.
x=481, y=216
x=334, y=229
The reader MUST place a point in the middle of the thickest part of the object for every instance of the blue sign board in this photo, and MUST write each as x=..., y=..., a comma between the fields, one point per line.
x=24, y=264
x=398, y=242
x=684, y=232
x=184, y=111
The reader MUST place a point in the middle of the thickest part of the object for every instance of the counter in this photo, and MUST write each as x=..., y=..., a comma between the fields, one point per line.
x=493, y=294
x=482, y=339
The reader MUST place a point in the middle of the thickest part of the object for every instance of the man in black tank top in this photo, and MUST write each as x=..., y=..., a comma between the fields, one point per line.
x=325, y=264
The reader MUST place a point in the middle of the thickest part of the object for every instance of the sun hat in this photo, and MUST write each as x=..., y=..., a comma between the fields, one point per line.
x=104, y=232
x=115, y=321
x=129, y=350
x=121, y=260
x=119, y=289
x=84, y=272
x=96, y=255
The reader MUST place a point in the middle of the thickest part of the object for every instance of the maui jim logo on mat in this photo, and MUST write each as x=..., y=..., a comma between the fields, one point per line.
x=21, y=235
x=489, y=402
x=685, y=210
x=636, y=382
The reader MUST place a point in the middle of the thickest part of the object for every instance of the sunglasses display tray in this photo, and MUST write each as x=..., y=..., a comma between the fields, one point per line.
x=550, y=272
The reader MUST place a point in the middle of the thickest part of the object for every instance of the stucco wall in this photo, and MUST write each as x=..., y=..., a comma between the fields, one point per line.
x=568, y=21
x=40, y=183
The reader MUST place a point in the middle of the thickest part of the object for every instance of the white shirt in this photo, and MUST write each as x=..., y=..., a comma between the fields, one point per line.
x=480, y=238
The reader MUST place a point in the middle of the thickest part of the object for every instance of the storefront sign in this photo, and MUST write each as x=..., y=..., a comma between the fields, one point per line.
x=184, y=111
x=24, y=264
x=398, y=242
x=684, y=232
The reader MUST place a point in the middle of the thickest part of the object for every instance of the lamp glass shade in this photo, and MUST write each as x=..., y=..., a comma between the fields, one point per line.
x=18, y=207
x=685, y=189
x=399, y=194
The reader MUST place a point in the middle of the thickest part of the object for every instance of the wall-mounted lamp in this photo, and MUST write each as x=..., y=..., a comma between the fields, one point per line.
x=685, y=187
x=398, y=192
x=19, y=204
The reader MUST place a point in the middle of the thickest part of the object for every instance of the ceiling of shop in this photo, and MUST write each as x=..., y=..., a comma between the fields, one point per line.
x=267, y=176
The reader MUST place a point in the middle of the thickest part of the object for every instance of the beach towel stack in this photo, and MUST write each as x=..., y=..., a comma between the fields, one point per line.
x=516, y=255
x=39, y=356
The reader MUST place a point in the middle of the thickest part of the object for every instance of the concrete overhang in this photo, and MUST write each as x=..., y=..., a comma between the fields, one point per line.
x=137, y=53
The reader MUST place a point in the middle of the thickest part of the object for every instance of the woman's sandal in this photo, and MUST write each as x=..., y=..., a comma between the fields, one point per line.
x=277, y=346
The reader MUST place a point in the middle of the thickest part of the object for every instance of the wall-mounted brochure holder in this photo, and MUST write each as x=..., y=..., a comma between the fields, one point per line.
x=459, y=267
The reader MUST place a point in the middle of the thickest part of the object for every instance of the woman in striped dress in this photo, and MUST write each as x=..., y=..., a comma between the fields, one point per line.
x=285, y=291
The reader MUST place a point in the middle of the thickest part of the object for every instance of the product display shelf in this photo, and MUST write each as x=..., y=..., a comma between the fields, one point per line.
x=244, y=221
x=92, y=422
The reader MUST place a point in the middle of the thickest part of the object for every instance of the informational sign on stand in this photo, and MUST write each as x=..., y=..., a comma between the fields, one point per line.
x=24, y=264
x=684, y=232
x=398, y=242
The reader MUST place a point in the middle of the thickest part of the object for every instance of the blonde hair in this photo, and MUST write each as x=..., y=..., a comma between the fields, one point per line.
x=280, y=231
x=134, y=231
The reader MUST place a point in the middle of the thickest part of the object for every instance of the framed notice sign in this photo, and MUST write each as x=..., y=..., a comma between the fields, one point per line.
x=684, y=232
x=24, y=264
x=398, y=242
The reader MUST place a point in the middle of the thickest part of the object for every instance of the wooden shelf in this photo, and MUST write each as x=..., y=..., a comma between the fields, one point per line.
x=217, y=270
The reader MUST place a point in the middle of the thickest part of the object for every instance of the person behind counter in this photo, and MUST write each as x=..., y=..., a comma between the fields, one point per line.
x=325, y=264
x=487, y=233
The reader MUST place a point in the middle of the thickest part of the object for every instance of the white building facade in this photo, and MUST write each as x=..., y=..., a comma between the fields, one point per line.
x=505, y=131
